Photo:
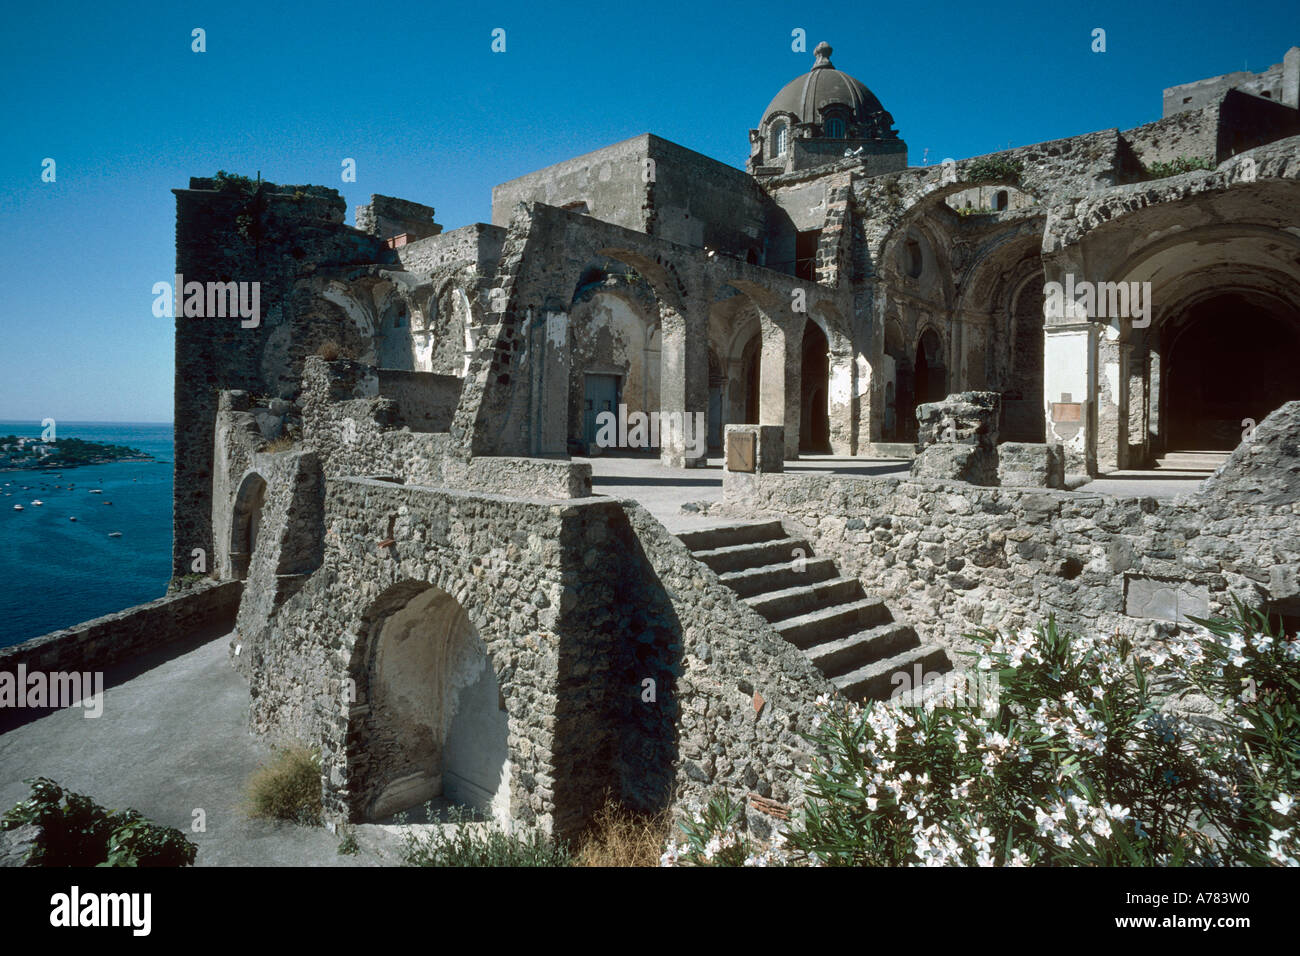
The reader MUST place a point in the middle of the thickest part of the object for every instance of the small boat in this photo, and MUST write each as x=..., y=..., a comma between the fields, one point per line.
x=115, y=534
x=108, y=502
x=37, y=502
x=96, y=491
x=71, y=518
x=18, y=507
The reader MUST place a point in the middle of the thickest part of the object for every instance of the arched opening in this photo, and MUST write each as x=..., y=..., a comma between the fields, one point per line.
x=897, y=426
x=393, y=346
x=929, y=375
x=1000, y=200
x=779, y=139
x=913, y=258
x=1022, y=400
x=1229, y=359
x=815, y=423
x=433, y=724
x=245, y=520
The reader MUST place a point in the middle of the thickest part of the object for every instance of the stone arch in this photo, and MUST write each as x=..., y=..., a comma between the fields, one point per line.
x=245, y=521
x=430, y=720
x=612, y=338
x=1022, y=414
x=1141, y=406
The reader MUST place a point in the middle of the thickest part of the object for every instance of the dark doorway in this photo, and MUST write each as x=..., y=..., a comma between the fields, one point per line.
x=805, y=254
x=1229, y=359
x=929, y=375
x=814, y=418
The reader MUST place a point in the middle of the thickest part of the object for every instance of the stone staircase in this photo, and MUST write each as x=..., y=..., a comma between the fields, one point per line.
x=852, y=638
x=1198, y=462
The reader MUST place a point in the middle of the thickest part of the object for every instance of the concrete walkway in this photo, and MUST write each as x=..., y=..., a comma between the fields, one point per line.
x=171, y=740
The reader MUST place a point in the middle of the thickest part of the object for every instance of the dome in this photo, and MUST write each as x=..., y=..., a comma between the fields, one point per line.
x=806, y=96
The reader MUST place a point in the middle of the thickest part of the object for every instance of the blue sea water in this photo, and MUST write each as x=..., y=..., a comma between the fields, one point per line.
x=55, y=572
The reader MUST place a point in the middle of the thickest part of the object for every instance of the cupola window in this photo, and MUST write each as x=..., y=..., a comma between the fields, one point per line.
x=780, y=135
x=835, y=127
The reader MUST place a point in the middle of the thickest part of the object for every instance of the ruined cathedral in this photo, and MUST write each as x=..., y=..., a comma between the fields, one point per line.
x=433, y=595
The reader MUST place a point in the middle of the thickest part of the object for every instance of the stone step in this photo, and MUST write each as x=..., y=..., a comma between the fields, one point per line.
x=876, y=681
x=800, y=599
x=737, y=557
x=774, y=577
x=726, y=535
x=845, y=654
x=1206, y=461
x=840, y=620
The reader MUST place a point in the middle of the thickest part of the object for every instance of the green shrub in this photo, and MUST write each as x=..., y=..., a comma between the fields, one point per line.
x=1183, y=164
x=348, y=843
x=993, y=169
x=482, y=843
x=1077, y=760
x=288, y=787
x=78, y=832
x=233, y=182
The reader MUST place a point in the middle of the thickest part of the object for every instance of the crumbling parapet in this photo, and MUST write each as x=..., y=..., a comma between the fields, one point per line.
x=957, y=438
x=388, y=217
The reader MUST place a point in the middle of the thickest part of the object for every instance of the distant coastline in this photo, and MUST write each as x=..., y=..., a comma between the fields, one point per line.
x=22, y=454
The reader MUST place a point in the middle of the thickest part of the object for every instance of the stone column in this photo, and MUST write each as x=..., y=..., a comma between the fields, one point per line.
x=780, y=380
x=1138, y=408
x=1155, y=434
x=683, y=388
x=841, y=394
x=1112, y=400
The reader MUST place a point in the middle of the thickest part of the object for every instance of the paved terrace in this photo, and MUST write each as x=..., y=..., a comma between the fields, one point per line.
x=662, y=491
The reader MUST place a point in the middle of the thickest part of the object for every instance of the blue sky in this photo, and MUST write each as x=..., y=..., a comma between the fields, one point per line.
x=114, y=94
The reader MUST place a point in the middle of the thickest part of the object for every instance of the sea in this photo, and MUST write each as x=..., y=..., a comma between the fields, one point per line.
x=55, y=572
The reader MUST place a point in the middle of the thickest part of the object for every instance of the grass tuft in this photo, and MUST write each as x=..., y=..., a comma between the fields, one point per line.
x=288, y=786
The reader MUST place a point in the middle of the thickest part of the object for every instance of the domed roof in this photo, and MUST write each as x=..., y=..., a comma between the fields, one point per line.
x=805, y=96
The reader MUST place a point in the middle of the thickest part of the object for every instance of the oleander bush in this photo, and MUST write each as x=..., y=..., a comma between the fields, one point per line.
x=1083, y=757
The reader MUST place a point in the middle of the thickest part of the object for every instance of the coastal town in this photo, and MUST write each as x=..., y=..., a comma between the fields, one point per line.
x=34, y=454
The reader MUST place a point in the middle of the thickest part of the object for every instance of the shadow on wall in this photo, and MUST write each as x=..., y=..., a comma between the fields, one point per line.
x=616, y=710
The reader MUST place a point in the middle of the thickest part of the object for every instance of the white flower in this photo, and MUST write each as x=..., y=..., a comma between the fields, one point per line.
x=1283, y=804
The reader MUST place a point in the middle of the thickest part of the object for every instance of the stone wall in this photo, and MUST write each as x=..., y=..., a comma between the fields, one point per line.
x=361, y=437
x=426, y=401
x=207, y=610
x=276, y=236
x=951, y=557
x=579, y=605
x=479, y=244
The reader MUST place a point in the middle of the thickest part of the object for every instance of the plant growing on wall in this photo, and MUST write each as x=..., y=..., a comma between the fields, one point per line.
x=994, y=169
x=1183, y=164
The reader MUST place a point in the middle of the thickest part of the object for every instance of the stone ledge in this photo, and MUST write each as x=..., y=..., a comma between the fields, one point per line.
x=116, y=638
